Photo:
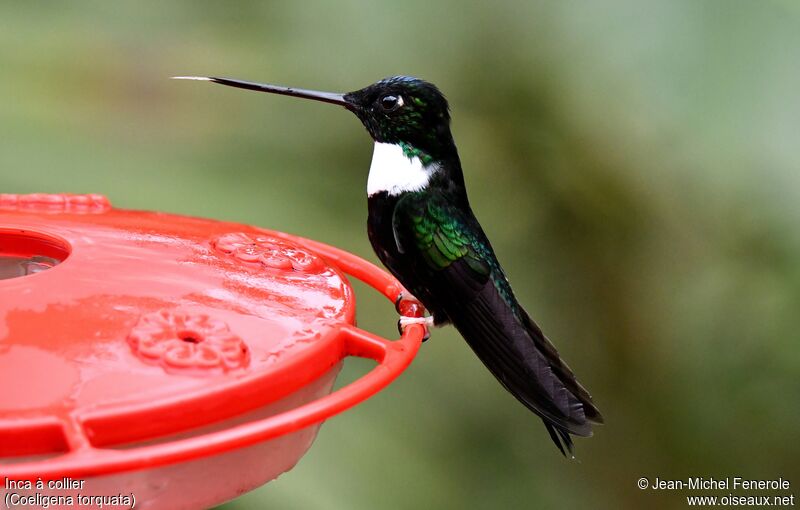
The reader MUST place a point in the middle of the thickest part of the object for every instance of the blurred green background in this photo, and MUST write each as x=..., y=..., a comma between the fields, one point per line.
x=636, y=165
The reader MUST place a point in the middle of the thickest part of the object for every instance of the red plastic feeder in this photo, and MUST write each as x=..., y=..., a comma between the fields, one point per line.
x=174, y=360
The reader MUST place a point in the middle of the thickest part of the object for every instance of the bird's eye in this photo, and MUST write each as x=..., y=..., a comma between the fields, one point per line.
x=391, y=102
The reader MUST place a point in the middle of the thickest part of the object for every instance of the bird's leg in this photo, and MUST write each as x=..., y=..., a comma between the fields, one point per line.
x=404, y=322
x=407, y=321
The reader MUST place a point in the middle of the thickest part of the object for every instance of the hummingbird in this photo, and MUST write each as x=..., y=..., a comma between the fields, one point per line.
x=422, y=228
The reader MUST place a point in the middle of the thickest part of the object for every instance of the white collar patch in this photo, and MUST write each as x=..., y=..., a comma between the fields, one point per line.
x=394, y=172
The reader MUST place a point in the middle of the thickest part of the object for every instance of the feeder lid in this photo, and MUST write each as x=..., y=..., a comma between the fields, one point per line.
x=127, y=325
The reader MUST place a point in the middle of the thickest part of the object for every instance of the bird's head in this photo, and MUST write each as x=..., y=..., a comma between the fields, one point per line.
x=406, y=111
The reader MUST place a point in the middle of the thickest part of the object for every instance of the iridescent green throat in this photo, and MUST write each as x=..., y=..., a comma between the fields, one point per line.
x=412, y=152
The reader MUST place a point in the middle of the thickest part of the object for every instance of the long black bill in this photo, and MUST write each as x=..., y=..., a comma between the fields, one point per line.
x=325, y=97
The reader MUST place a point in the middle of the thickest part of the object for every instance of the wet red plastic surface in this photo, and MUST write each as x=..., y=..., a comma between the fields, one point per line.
x=153, y=324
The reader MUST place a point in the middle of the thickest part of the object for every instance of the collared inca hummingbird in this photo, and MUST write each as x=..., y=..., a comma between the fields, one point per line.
x=422, y=228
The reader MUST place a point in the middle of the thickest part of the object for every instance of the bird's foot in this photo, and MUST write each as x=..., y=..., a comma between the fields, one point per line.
x=407, y=304
x=411, y=311
x=404, y=322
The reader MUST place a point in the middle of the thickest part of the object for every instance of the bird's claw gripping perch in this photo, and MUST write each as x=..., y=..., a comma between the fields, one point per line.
x=411, y=311
x=408, y=305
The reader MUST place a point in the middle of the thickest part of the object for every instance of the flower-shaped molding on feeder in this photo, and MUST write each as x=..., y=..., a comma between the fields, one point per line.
x=55, y=203
x=199, y=354
x=268, y=251
x=179, y=340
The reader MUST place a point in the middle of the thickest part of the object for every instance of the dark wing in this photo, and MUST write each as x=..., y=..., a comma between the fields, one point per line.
x=455, y=263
